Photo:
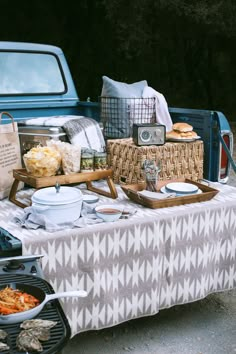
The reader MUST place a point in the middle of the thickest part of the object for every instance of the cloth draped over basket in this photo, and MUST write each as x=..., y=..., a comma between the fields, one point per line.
x=80, y=130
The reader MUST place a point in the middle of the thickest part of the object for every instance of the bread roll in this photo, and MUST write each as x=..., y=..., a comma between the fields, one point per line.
x=173, y=134
x=192, y=135
x=182, y=127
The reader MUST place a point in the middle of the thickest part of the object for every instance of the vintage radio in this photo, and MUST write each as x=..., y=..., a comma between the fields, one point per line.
x=149, y=134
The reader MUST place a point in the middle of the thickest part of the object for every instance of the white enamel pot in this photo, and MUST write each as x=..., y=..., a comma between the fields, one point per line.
x=40, y=295
x=59, y=205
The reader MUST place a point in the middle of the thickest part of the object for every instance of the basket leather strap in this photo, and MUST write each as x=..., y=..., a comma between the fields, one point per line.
x=10, y=116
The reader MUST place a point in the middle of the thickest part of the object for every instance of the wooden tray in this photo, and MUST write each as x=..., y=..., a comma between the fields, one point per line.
x=21, y=175
x=131, y=190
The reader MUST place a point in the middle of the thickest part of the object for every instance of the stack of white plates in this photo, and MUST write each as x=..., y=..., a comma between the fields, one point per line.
x=181, y=188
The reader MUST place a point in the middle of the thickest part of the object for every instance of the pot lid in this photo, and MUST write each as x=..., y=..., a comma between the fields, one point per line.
x=50, y=196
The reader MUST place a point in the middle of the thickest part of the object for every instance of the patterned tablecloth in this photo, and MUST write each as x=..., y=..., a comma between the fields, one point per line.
x=135, y=267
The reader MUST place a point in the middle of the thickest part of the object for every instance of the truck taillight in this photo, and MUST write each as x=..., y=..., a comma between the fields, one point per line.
x=224, y=159
x=224, y=163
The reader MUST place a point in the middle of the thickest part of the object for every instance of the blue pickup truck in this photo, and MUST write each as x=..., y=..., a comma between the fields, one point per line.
x=36, y=82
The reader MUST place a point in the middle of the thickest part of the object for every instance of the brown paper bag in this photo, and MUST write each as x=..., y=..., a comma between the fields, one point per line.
x=10, y=154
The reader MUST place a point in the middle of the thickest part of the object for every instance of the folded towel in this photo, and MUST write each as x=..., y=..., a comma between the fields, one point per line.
x=30, y=219
x=85, y=132
x=53, y=121
x=162, y=112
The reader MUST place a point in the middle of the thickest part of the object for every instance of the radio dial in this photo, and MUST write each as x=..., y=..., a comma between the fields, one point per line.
x=145, y=135
x=158, y=132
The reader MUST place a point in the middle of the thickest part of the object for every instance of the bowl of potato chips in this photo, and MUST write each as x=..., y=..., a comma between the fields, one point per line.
x=42, y=161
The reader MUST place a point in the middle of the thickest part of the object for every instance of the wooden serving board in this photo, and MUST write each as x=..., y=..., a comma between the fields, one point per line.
x=21, y=175
x=131, y=190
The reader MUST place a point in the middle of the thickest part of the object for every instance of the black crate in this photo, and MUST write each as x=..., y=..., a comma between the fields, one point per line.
x=119, y=114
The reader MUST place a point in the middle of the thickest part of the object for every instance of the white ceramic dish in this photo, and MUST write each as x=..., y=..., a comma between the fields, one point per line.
x=90, y=199
x=59, y=207
x=163, y=190
x=109, y=212
x=181, y=187
x=183, y=140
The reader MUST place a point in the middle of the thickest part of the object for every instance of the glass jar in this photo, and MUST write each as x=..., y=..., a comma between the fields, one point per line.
x=87, y=161
x=100, y=160
x=151, y=173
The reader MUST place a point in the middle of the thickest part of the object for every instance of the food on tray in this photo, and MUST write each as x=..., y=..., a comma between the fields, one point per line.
x=182, y=127
x=3, y=334
x=70, y=155
x=181, y=131
x=3, y=347
x=33, y=332
x=27, y=324
x=178, y=135
x=42, y=161
x=172, y=135
x=42, y=333
x=26, y=341
x=14, y=300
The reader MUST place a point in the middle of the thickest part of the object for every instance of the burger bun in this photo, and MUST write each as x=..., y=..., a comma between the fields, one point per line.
x=182, y=127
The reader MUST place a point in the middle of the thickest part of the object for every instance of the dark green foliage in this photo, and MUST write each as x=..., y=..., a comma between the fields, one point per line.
x=183, y=49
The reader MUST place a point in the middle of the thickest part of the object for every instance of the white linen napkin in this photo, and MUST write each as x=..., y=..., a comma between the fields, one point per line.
x=30, y=219
x=162, y=112
x=156, y=195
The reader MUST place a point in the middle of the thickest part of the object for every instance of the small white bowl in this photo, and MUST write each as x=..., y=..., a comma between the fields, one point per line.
x=90, y=199
x=109, y=212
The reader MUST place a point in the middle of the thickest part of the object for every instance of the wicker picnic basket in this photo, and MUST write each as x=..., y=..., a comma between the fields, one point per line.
x=178, y=160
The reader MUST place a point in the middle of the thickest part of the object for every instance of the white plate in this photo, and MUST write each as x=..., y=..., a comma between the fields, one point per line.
x=181, y=187
x=163, y=190
x=185, y=140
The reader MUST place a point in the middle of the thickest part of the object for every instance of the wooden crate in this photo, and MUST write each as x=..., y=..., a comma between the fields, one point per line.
x=178, y=160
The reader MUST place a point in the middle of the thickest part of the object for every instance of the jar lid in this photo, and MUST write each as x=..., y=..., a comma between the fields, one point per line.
x=49, y=196
x=86, y=155
x=100, y=154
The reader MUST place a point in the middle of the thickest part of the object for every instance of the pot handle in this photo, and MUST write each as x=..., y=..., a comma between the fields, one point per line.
x=75, y=293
